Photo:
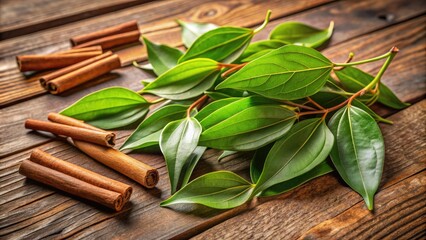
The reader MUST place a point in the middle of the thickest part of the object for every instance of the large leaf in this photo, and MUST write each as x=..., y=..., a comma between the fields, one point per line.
x=221, y=189
x=355, y=79
x=245, y=124
x=214, y=106
x=305, y=146
x=178, y=140
x=359, y=151
x=223, y=44
x=186, y=80
x=301, y=34
x=288, y=73
x=257, y=49
x=192, y=30
x=191, y=163
x=147, y=134
x=109, y=108
x=161, y=57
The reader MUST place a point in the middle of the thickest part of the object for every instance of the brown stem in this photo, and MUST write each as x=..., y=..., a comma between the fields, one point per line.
x=315, y=103
x=195, y=104
x=234, y=69
x=227, y=65
x=299, y=105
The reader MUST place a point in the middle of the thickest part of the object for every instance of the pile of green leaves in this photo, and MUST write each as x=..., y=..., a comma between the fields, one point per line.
x=274, y=97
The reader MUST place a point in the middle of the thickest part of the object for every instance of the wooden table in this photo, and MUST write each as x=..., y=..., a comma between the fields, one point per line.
x=323, y=208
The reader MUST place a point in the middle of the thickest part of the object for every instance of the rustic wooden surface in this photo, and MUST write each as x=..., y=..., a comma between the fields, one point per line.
x=321, y=209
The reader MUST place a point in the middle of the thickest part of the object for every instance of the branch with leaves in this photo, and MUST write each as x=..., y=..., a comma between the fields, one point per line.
x=275, y=97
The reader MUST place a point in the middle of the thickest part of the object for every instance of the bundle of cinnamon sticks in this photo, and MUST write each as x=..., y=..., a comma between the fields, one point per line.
x=85, y=61
x=96, y=143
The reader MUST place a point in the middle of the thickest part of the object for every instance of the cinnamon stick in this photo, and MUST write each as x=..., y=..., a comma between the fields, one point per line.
x=46, y=78
x=71, y=185
x=113, y=40
x=59, y=118
x=51, y=61
x=40, y=157
x=97, y=137
x=79, y=50
x=83, y=74
x=121, y=28
x=132, y=168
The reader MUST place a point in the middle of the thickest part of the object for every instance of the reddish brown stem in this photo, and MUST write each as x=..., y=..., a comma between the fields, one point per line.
x=195, y=104
x=315, y=103
x=299, y=105
x=234, y=69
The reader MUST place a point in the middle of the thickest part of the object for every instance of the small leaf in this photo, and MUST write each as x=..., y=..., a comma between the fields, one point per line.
x=305, y=146
x=288, y=73
x=359, y=151
x=223, y=44
x=225, y=154
x=191, y=163
x=147, y=66
x=147, y=134
x=109, y=108
x=244, y=124
x=319, y=170
x=192, y=30
x=178, y=140
x=161, y=57
x=186, y=80
x=220, y=189
x=355, y=79
x=301, y=34
x=261, y=46
x=257, y=162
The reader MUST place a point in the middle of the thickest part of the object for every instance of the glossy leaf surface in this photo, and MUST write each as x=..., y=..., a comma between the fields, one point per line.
x=223, y=44
x=305, y=146
x=178, y=140
x=147, y=134
x=355, y=79
x=221, y=190
x=301, y=34
x=257, y=49
x=290, y=72
x=245, y=124
x=192, y=30
x=359, y=151
x=161, y=57
x=191, y=163
x=109, y=108
x=186, y=80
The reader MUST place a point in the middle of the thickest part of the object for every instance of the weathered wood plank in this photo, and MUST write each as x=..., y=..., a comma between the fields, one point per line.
x=36, y=211
x=326, y=208
x=407, y=65
x=23, y=17
x=156, y=20
x=166, y=31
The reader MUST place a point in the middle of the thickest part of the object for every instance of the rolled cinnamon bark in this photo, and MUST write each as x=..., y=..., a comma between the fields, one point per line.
x=40, y=157
x=46, y=78
x=62, y=119
x=121, y=28
x=71, y=185
x=113, y=40
x=51, y=61
x=132, y=168
x=79, y=50
x=97, y=137
x=84, y=74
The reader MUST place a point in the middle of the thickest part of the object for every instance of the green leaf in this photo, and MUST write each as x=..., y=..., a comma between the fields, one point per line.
x=214, y=106
x=359, y=151
x=191, y=163
x=109, y=108
x=192, y=30
x=223, y=44
x=301, y=34
x=263, y=47
x=256, y=55
x=186, y=80
x=220, y=189
x=355, y=79
x=244, y=124
x=225, y=154
x=147, y=67
x=288, y=73
x=147, y=134
x=257, y=162
x=319, y=170
x=305, y=146
x=178, y=140
x=161, y=57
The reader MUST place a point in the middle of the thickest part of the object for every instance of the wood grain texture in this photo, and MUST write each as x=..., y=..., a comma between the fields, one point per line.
x=22, y=17
x=411, y=60
x=156, y=22
x=325, y=208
